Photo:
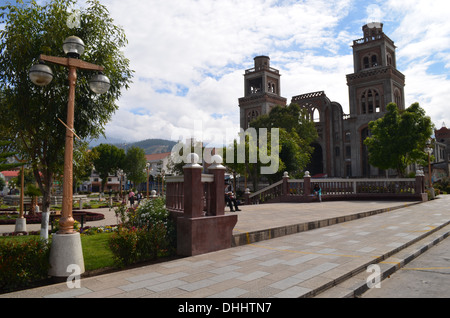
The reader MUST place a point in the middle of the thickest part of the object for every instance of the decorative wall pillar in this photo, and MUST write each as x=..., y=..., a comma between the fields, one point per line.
x=193, y=189
x=217, y=194
x=285, y=187
x=198, y=234
x=247, y=196
x=307, y=184
x=420, y=185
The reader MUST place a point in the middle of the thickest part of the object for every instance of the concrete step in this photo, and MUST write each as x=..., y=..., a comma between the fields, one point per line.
x=355, y=283
x=240, y=239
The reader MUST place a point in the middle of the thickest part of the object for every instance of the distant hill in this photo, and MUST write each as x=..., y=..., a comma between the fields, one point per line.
x=150, y=146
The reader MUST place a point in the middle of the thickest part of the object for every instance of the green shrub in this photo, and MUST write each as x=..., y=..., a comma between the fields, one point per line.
x=150, y=212
x=23, y=262
x=146, y=233
x=55, y=225
x=123, y=245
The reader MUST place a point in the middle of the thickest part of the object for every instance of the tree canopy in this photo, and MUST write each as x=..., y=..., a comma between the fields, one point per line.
x=134, y=165
x=107, y=160
x=297, y=133
x=30, y=113
x=399, y=138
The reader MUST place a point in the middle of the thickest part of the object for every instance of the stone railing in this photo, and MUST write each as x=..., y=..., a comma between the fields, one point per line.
x=54, y=199
x=300, y=190
x=196, y=201
x=175, y=194
x=262, y=68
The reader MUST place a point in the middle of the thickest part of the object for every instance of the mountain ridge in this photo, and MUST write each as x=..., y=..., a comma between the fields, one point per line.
x=150, y=146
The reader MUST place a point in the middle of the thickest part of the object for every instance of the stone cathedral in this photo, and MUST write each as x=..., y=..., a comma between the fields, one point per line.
x=339, y=150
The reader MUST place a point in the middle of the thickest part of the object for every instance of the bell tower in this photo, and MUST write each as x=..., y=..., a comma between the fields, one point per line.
x=261, y=91
x=375, y=83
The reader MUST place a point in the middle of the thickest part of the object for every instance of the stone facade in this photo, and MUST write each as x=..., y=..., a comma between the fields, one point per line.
x=339, y=150
x=262, y=91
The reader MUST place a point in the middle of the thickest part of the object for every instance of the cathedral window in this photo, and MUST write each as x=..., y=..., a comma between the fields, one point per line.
x=348, y=136
x=316, y=115
x=366, y=62
x=370, y=60
x=389, y=59
x=397, y=98
x=370, y=102
x=374, y=60
x=252, y=115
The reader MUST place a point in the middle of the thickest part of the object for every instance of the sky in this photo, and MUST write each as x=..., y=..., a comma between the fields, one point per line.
x=189, y=57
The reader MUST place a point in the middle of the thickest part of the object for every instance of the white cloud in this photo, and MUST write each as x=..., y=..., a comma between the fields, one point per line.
x=189, y=56
x=423, y=41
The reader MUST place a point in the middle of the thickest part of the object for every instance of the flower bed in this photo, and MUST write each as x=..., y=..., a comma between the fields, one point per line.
x=36, y=218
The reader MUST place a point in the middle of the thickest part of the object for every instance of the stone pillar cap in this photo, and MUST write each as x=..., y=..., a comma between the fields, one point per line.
x=192, y=161
x=216, y=162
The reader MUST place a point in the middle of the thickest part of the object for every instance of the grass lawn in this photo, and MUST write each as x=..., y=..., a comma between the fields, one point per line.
x=95, y=249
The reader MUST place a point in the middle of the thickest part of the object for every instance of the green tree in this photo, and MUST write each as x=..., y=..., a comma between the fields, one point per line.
x=2, y=184
x=399, y=138
x=107, y=160
x=31, y=29
x=5, y=154
x=296, y=136
x=234, y=162
x=83, y=163
x=134, y=165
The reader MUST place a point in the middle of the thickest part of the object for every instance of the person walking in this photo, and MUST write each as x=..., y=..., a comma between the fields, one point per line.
x=138, y=197
x=131, y=198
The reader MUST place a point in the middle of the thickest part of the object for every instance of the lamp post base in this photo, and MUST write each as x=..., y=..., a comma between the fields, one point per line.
x=21, y=225
x=66, y=251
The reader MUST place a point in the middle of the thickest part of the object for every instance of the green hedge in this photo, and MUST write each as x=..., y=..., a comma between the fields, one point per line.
x=146, y=233
x=23, y=262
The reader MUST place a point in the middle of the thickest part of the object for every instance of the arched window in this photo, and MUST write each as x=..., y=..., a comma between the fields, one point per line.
x=374, y=60
x=397, y=97
x=370, y=60
x=366, y=62
x=252, y=115
x=389, y=59
x=370, y=102
x=316, y=115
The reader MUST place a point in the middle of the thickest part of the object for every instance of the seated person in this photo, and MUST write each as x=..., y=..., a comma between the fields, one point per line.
x=318, y=191
x=230, y=199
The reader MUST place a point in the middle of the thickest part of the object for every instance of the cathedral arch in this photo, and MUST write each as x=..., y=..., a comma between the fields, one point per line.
x=252, y=115
x=389, y=59
x=370, y=101
x=397, y=97
x=370, y=60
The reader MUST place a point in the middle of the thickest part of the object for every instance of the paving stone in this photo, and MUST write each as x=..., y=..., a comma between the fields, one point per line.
x=289, y=266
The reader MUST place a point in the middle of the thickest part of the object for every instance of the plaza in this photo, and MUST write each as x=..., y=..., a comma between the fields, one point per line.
x=282, y=243
x=325, y=261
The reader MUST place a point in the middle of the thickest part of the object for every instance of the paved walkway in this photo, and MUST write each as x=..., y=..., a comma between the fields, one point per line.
x=333, y=252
